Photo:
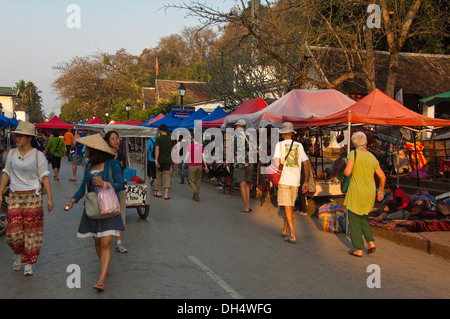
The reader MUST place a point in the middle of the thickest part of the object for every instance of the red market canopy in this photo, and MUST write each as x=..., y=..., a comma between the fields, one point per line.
x=248, y=107
x=54, y=123
x=133, y=122
x=298, y=104
x=375, y=108
x=95, y=120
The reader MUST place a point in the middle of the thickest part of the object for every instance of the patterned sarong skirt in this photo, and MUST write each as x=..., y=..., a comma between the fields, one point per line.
x=25, y=231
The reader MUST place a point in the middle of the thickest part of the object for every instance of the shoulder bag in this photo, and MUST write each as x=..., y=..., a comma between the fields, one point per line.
x=92, y=207
x=346, y=180
x=273, y=172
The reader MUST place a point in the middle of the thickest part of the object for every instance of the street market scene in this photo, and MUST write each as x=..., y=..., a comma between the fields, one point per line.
x=275, y=150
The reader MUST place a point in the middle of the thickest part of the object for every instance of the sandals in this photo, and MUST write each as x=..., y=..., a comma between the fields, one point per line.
x=246, y=211
x=156, y=195
x=99, y=287
x=353, y=253
x=290, y=240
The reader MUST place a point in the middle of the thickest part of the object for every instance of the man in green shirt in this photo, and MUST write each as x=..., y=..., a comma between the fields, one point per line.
x=163, y=161
x=54, y=151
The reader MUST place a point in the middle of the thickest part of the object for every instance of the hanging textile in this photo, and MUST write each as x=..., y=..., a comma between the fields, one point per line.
x=420, y=158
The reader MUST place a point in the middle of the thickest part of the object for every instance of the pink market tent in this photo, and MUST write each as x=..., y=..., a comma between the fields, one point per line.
x=95, y=120
x=154, y=119
x=375, y=108
x=296, y=103
x=248, y=107
x=54, y=123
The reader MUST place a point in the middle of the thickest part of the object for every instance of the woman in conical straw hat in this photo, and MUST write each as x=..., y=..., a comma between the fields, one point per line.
x=25, y=170
x=101, y=167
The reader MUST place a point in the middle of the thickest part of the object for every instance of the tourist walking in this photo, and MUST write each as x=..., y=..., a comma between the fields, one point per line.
x=360, y=197
x=184, y=169
x=113, y=140
x=163, y=162
x=102, y=168
x=243, y=168
x=78, y=156
x=151, y=166
x=292, y=155
x=25, y=170
x=54, y=152
x=68, y=137
x=195, y=159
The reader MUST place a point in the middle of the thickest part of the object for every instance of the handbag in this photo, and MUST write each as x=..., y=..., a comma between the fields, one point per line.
x=92, y=204
x=346, y=180
x=273, y=172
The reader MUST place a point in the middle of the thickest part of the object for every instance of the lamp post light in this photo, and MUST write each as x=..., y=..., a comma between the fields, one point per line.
x=181, y=92
x=128, y=108
x=106, y=115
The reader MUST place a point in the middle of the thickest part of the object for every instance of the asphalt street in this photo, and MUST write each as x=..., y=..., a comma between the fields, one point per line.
x=210, y=250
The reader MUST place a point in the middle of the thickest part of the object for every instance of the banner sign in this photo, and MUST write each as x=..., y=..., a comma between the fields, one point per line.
x=182, y=112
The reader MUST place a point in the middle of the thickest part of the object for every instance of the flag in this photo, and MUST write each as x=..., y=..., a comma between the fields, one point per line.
x=399, y=96
x=157, y=67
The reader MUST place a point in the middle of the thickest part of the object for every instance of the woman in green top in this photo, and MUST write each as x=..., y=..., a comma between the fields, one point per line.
x=360, y=197
x=55, y=147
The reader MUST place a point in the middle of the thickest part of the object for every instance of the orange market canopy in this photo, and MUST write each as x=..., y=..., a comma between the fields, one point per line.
x=296, y=104
x=248, y=107
x=376, y=108
x=54, y=123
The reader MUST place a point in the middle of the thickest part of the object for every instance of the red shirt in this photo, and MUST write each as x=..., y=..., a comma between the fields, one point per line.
x=195, y=154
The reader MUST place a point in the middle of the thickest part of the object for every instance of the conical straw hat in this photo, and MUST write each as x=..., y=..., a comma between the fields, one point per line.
x=97, y=142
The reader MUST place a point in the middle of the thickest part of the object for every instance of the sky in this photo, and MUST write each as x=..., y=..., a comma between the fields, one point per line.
x=36, y=35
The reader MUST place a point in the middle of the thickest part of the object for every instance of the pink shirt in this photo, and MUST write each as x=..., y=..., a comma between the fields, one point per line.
x=195, y=152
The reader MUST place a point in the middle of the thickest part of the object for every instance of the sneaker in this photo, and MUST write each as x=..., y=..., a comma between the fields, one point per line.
x=120, y=248
x=28, y=270
x=17, y=263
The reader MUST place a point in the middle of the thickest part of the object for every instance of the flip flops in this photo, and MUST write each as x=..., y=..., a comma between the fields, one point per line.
x=352, y=252
x=99, y=287
x=156, y=195
x=290, y=240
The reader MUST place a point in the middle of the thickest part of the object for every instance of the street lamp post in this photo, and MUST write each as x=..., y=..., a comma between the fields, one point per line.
x=181, y=92
x=128, y=108
x=106, y=115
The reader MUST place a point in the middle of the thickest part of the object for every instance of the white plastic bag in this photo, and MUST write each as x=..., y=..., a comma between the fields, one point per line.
x=108, y=201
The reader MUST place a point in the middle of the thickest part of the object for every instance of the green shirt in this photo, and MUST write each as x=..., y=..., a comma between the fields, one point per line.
x=55, y=148
x=165, y=144
x=360, y=196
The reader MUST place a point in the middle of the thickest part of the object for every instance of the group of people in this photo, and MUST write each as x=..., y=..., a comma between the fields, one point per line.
x=160, y=163
x=27, y=175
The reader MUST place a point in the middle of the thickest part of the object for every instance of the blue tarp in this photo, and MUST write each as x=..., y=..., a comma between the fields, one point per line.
x=170, y=121
x=5, y=121
x=190, y=121
x=218, y=113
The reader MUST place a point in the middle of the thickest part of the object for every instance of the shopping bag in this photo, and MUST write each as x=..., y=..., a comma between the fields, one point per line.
x=274, y=173
x=108, y=202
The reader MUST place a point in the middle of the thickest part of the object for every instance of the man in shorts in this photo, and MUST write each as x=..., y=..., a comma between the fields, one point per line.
x=292, y=155
x=243, y=169
x=78, y=157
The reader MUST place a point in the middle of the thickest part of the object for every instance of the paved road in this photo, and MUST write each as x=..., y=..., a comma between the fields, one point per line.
x=208, y=249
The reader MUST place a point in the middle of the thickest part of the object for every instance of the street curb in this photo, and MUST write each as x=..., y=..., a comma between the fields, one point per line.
x=414, y=240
